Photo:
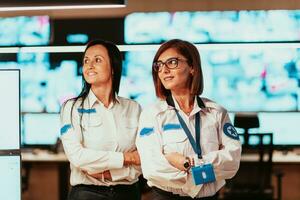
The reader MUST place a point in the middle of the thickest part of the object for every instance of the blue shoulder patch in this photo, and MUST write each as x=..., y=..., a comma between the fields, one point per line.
x=146, y=131
x=167, y=127
x=82, y=110
x=65, y=128
x=230, y=131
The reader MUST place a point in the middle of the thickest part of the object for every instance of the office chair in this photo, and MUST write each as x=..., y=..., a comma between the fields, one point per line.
x=253, y=180
x=246, y=121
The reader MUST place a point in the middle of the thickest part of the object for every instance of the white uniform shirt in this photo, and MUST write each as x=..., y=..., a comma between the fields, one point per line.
x=160, y=133
x=98, y=144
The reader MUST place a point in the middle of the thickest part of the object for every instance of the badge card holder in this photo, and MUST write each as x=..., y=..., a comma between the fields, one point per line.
x=203, y=174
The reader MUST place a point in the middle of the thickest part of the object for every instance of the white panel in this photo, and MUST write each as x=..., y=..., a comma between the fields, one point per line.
x=10, y=177
x=9, y=109
x=284, y=126
x=41, y=128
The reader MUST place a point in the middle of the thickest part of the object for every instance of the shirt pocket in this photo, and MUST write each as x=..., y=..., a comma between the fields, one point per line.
x=209, y=133
x=174, y=140
x=91, y=120
x=210, y=139
x=128, y=131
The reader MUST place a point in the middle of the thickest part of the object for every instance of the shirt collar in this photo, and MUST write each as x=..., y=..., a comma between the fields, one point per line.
x=92, y=99
x=172, y=103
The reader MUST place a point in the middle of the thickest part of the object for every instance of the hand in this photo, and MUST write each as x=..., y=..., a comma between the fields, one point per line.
x=132, y=158
x=176, y=160
x=102, y=175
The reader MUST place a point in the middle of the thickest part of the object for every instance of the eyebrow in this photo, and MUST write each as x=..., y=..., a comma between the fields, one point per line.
x=94, y=56
x=167, y=59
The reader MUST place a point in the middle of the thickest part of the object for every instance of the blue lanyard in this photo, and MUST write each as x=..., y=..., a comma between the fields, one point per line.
x=195, y=144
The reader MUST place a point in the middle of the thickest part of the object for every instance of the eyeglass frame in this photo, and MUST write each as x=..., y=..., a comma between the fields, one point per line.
x=154, y=65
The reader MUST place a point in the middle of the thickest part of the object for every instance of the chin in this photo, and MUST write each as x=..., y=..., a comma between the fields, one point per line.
x=89, y=81
x=169, y=86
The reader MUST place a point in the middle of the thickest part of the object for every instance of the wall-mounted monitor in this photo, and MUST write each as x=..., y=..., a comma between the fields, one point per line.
x=10, y=109
x=40, y=129
x=214, y=26
x=10, y=181
x=242, y=78
x=24, y=31
x=283, y=125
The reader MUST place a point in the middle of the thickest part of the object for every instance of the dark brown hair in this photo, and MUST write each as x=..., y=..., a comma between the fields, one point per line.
x=190, y=52
x=115, y=58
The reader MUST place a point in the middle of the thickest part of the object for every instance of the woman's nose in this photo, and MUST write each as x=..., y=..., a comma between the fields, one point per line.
x=165, y=69
x=91, y=65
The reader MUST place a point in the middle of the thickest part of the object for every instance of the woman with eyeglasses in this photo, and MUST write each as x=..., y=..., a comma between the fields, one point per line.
x=99, y=130
x=187, y=144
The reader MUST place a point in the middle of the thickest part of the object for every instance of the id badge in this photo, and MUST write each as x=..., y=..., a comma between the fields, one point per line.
x=203, y=174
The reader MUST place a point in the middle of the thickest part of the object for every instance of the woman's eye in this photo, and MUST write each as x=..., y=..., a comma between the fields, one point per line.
x=160, y=64
x=172, y=62
x=98, y=60
x=86, y=61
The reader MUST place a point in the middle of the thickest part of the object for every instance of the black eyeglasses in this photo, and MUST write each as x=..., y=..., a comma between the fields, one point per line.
x=171, y=63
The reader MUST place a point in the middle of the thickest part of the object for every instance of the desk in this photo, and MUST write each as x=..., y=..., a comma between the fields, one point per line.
x=288, y=164
x=44, y=156
x=59, y=161
x=278, y=157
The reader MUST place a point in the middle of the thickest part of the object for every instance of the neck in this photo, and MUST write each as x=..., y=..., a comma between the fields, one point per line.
x=185, y=100
x=103, y=94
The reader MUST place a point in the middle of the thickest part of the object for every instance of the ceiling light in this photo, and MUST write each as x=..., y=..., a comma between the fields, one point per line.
x=21, y=5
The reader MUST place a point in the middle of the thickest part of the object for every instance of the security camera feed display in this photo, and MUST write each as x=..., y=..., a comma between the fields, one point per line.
x=24, y=30
x=9, y=110
x=45, y=85
x=240, y=80
x=216, y=26
x=10, y=174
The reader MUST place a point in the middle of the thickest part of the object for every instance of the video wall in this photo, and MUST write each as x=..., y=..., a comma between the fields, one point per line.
x=24, y=31
x=241, y=79
x=214, y=26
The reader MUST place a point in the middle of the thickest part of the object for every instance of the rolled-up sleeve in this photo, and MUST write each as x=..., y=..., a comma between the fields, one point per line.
x=129, y=173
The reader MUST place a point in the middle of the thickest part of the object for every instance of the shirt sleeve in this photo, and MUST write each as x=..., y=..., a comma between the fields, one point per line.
x=225, y=161
x=154, y=165
x=92, y=161
x=126, y=173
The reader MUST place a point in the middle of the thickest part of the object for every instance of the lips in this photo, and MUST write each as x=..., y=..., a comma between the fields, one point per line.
x=91, y=73
x=168, y=78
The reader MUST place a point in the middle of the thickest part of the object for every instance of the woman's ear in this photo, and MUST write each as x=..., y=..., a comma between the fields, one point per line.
x=192, y=71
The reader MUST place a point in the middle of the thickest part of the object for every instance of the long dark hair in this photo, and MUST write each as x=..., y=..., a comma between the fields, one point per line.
x=115, y=58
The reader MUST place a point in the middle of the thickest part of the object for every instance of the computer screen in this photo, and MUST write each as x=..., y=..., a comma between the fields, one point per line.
x=40, y=129
x=241, y=78
x=24, y=30
x=213, y=26
x=283, y=125
x=9, y=109
x=10, y=174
